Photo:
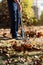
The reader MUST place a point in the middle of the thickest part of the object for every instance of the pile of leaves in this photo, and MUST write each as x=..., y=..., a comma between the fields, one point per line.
x=18, y=52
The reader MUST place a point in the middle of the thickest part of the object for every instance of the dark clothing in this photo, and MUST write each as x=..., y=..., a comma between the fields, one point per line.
x=14, y=18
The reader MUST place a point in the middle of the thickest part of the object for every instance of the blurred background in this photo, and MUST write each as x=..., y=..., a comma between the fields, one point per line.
x=32, y=13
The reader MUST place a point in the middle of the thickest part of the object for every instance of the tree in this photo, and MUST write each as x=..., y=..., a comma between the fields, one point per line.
x=27, y=11
x=41, y=17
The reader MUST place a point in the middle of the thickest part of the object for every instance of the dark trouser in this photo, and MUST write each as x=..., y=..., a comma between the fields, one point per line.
x=14, y=20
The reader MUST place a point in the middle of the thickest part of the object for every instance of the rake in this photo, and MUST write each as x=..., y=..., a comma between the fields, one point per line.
x=22, y=28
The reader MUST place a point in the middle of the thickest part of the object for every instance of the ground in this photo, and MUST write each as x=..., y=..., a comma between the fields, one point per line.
x=8, y=56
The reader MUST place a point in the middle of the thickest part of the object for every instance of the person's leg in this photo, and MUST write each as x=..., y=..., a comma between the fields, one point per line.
x=15, y=14
x=12, y=18
x=19, y=18
x=16, y=21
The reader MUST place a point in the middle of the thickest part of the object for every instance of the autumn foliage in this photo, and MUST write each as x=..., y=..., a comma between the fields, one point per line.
x=27, y=11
